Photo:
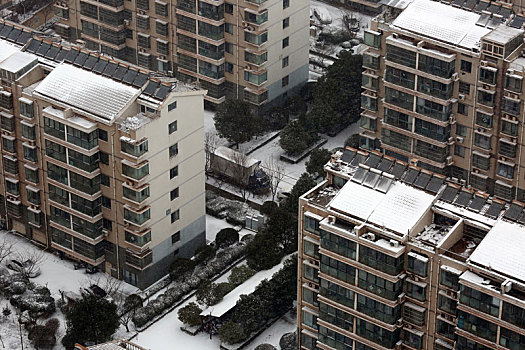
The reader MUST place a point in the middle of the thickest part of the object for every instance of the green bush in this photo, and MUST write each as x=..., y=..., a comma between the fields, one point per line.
x=190, y=314
x=231, y=333
x=226, y=237
x=180, y=268
x=240, y=274
x=268, y=207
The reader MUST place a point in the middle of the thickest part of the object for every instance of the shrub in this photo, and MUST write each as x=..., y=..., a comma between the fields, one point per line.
x=268, y=207
x=190, y=314
x=181, y=267
x=239, y=274
x=44, y=336
x=204, y=253
x=295, y=138
x=231, y=333
x=353, y=141
x=263, y=252
x=265, y=347
x=288, y=341
x=226, y=237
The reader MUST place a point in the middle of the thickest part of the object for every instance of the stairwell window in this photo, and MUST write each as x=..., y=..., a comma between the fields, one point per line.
x=174, y=150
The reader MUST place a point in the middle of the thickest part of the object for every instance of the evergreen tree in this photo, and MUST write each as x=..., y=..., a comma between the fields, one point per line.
x=303, y=185
x=338, y=94
x=295, y=138
x=318, y=158
x=236, y=122
x=190, y=314
x=91, y=319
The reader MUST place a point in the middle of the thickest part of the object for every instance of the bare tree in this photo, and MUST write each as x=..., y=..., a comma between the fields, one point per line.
x=6, y=248
x=129, y=308
x=275, y=172
x=210, y=145
x=241, y=173
x=31, y=259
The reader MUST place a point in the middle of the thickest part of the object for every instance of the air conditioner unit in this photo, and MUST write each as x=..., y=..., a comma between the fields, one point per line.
x=310, y=284
x=142, y=12
x=483, y=63
x=450, y=140
x=394, y=243
x=409, y=326
x=161, y=57
x=449, y=160
x=141, y=49
x=463, y=182
x=514, y=140
x=331, y=219
x=506, y=286
x=416, y=278
x=245, y=24
x=126, y=22
x=369, y=236
x=480, y=130
x=502, y=158
x=250, y=28
x=459, y=139
x=455, y=77
x=105, y=232
x=461, y=97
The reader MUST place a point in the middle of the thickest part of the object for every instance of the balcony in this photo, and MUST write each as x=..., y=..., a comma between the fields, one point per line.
x=137, y=217
x=134, y=171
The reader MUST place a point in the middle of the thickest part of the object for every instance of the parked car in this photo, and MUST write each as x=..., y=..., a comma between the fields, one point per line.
x=27, y=267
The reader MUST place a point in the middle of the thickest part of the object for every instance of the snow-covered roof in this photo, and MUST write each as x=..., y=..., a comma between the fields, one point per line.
x=7, y=49
x=399, y=209
x=453, y=25
x=501, y=250
x=398, y=4
x=248, y=287
x=503, y=34
x=229, y=154
x=87, y=91
x=357, y=200
x=17, y=61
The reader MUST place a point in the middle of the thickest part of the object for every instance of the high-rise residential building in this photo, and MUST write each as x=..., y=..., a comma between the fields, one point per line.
x=256, y=50
x=372, y=6
x=395, y=257
x=100, y=161
x=444, y=92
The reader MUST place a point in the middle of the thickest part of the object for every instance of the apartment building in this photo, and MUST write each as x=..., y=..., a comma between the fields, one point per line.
x=392, y=256
x=100, y=161
x=256, y=50
x=444, y=92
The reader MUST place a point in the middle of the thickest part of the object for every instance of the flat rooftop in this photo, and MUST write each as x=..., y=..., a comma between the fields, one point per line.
x=453, y=25
x=87, y=91
x=382, y=201
x=503, y=34
x=502, y=250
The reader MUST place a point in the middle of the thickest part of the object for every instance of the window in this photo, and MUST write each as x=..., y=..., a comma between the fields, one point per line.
x=505, y=170
x=104, y=180
x=311, y=224
x=487, y=75
x=417, y=264
x=103, y=135
x=161, y=8
x=161, y=27
x=338, y=269
x=414, y=314
x=28, y=131
x=286, y=61
x=228, y=67
x=174, y=150
x=107, y=224
x=174, y=172
x=135, y=173
x=132, y=148
x=416, y=290
x=286, y=22
x=228, y=8
x=461, y=130
x=482, y=141
x=172, y=106
x=466, y=66
x=378, y=310
x=106, y=202
x=285, y=81
x=9, y=144
x=30, y=154
x=379, y=286
x=175, y=237
x=372, y=38
x=172, y=127
x=174, y=194
x=26, y=108
x=286, y=42
x=175, y=216
x=479, y=301
x=138, y=240
x=462, y=108
x=459, y=151
x=32, y=175
x=484, y=120
x=137, y=218
x=477, y=326
x=228, y=28
x=464, y=88
x=286, y=4
x=338, y=244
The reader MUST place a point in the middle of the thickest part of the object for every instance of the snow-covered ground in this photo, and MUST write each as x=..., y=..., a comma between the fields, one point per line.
x=272, y=335
x=57, y=275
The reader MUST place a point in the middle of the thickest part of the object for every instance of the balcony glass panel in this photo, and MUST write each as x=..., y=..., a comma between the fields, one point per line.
x=255, y=18
x=54, y=128
x=379, y=286
x=85, y=140
x=210, y=11
x=137, y=218
x=400, y=77
x=136, y=196
x=136, y=150
x=210, y=31
x=84, y=184
x=401, y=56
x=135, y=173
x=436, y=66
x=433, y=109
